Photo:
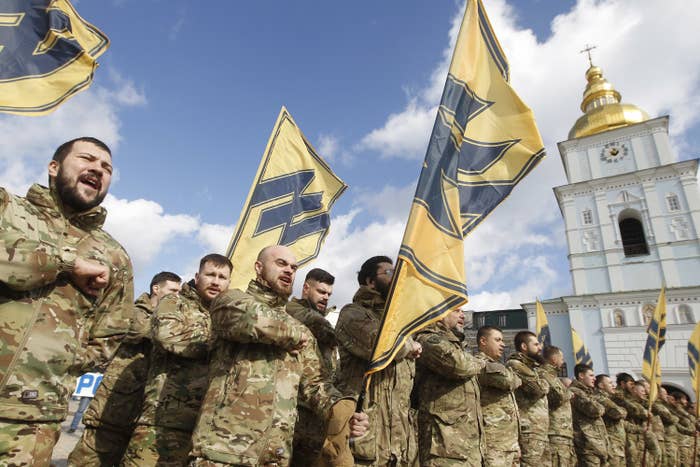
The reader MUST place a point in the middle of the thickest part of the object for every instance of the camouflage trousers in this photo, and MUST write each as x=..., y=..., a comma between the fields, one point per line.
x=532, y=450
x=671, y=454
x=27, y=444
x=588, y=458
x=685, y=455
x=634, y=449
x=99, y=446
x=559, y=452
x=158, y=446
x=496, y=458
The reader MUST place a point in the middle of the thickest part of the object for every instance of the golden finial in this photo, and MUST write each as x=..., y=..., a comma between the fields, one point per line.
x=588, y=51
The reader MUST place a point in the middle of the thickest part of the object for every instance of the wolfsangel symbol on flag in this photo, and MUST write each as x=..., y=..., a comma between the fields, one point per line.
x=48, y=53
x=581, y=355
x=542, y=326
x=288, y=204
x=483, y=143
x=656, y=337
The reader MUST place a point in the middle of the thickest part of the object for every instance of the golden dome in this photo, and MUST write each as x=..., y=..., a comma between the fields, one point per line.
x=602, y=108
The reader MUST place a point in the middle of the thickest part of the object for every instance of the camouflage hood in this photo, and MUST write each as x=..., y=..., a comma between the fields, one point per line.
x=47, y=198
x=369, y=298
x=265, y=294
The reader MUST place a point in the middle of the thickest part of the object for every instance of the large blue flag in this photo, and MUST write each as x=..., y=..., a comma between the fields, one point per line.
x=47, y=54
x=484, y=141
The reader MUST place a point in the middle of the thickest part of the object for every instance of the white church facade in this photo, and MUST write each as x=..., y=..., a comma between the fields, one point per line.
x=632, y=221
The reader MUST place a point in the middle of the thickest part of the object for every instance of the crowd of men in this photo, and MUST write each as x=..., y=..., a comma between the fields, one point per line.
x=198, y=374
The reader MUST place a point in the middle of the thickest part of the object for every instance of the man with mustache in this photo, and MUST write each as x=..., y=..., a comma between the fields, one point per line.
x=392, y=440
x=110, y=419
x=264, y=362
x=531, y=397
x=177, y=377
x=66, y=297
x=311, y=309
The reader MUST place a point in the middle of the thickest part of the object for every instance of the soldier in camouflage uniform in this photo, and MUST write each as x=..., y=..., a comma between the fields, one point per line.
x=560, y=449
x=177, y=376
x=590, y=433
x=263, y=363
x=392, y=439
x=670, y=421
x=686, y=429
x=498, y=406
x=637, y=418
x=450, y=425
x=531, y=397
x=311, y=309
x=110, y=419
x=614, y=418
x=66, y=297
x=653, y=446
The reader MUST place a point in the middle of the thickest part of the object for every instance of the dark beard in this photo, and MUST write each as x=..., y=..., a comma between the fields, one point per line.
x=69, y=196
x=537, y=357
x=382, y=288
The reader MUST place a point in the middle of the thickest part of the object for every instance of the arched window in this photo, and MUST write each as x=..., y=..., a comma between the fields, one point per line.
x=648, y=314
x=685, y=314
x=632, y=233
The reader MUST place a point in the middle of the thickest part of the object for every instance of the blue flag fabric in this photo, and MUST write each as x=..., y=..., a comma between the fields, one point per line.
x=581, y=354
x=656, y=337
x=47, y=54
x=542, y=326
x=693, y=359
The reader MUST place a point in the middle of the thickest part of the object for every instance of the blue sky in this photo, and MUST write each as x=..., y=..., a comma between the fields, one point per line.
x=187, y=96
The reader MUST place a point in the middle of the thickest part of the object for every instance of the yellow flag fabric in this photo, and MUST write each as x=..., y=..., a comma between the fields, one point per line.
x=693, y=359
x=656, y=337
x=47, y=54
x=542, y=326
x=484, y=141
x=288, y=204
x=581, y=354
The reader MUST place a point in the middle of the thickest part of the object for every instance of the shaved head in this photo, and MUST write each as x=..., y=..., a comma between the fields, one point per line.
x=276, y=268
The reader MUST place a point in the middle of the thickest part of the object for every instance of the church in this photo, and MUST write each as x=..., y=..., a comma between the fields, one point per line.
x=632, y=217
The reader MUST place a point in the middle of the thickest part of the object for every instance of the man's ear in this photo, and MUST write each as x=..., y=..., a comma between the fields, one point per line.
x=53, y=168
x=258, y=268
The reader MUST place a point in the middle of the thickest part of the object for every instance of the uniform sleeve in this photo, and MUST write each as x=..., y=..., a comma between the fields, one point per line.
x=356, y=332
x=181, y=330
x=666, y=416
x=557, y=392
x=685, y=426
x=635, y=412
x=534, y=386
x=317, y=324
x=114, y=313
x=612, y=410
x=586, y=405
x=237, y=317
x=497, y=375
x=442, y=357
x=27, y=263
x=315, y=388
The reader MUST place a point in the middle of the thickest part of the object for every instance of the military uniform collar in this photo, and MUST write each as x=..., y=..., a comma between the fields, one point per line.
x=551, y=369
x=369, y=298
x=144, y=301
x=531, y=362
x=483, y=355
x=189, y=292
x=47, y=198
x=265, y=294
x=578, y=384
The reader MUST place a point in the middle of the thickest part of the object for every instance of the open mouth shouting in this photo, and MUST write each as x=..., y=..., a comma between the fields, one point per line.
x=91, y=181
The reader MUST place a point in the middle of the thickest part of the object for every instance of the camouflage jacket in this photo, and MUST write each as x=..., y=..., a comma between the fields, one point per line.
x=614, y=419
x=321, y=329
x=387, y=402
x=255, y=383
x=531, y=396
x=590, y=433
x=52, y=332
x=177, y=376
x=685, y=425
x=636, y=413
x=449, y=414
x=119, y=397
x=498, y=406
x=559, y=401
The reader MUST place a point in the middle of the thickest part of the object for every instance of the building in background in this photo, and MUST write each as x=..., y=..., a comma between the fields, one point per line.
x=632, y=217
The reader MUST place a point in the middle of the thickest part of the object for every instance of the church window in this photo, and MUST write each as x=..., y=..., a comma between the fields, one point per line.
x=618, y=318
x=587, y=217
x=672, y=202
x=632, y=233
x=685, y=314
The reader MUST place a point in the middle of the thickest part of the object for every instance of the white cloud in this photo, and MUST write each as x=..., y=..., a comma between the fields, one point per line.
x=327, y=146
x=215, y=237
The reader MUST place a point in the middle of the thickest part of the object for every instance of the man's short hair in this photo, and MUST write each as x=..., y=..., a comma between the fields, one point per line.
x=63, y=150
x=370, y=267
x=581, y=368
x=622, y=378
x=549, y=351
x=320, y=275
x=640, y=383
x=599, y=378
x=217, y=260
x=162, y=277
x=485, y=331
x=521, y=338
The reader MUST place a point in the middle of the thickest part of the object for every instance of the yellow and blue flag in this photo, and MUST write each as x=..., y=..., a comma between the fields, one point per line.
x=483, y=143
x=542, y=326
x=656, y=337
x=288, y=204
x=48, y=53
x=693, y=359
x=581, y=354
